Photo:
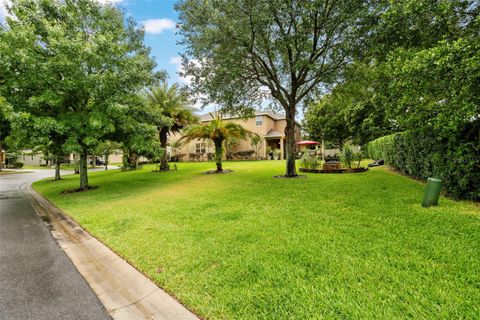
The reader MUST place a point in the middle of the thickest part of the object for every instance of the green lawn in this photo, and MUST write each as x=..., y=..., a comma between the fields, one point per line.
x=6, y=171
x=246, y=246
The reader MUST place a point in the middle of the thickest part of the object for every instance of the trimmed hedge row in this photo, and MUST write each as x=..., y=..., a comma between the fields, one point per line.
x=422, y=155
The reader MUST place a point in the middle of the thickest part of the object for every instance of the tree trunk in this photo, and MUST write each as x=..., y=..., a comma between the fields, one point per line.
x=133, y=161
x=106, y=161
x=2, y=157
x=218, y=154
x=291, y=170
x=76, y=169
x=57, y=168
x=163, y=144
x=83, y=170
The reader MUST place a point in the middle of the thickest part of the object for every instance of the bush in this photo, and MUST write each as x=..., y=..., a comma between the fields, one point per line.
x=309, y=162
x=347, y=156
x=421, y=154
x=14, y=165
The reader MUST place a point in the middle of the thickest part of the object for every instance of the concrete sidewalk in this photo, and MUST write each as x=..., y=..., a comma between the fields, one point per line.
x=124, y=291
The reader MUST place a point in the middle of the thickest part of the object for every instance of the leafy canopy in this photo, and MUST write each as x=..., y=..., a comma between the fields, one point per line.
x=72, y=69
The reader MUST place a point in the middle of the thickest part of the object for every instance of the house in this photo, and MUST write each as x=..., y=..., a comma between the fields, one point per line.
x=269, y=126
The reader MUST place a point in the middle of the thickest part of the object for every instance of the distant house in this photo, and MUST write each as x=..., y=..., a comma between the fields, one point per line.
x=268, y=125
x=30, y=158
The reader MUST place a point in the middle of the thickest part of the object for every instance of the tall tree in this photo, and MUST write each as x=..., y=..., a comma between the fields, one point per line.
x=76, y=64
x=173, y=111
x=353, y=109
x=218, y=131
x=237, y=49
x=325, y=121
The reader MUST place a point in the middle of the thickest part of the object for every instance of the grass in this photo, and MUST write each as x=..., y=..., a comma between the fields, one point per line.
x=6, y=171
x=246, y=246
x=64, y=166
x=32, y=167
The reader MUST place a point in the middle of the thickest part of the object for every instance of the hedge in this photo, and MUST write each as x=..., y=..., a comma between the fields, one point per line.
x=422, y=155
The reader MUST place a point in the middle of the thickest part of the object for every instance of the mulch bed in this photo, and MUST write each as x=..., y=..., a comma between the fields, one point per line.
x=342, y=170
x=217, y=172
x=78, y=190
x=287, y=177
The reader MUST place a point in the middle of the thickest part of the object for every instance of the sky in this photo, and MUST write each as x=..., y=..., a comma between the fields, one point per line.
x=159, y=20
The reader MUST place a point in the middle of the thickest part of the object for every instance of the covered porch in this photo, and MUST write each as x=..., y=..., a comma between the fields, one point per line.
x=274, y=140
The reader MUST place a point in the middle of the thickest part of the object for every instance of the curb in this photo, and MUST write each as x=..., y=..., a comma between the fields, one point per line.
x=124, y=291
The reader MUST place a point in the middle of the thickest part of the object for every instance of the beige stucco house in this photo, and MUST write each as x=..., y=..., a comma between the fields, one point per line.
x=268, y=125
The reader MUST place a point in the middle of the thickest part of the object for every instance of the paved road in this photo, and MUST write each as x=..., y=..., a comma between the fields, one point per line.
x=37, y=280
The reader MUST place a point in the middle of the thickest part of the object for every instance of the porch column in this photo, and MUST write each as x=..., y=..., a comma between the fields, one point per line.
x=263, y=152
x=282, y=151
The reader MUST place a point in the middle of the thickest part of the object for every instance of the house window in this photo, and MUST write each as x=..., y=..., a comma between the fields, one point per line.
x=258, y=121
x=200, y=148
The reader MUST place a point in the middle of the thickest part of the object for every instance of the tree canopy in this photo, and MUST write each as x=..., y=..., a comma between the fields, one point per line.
x=420, y=72
x=73, y=69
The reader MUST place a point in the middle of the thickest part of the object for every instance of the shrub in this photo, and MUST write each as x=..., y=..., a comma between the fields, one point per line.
x=18, y=165
x=347, y=156
x=421, y=154
x=309, y=162
x=14, y=165
x=358, y=157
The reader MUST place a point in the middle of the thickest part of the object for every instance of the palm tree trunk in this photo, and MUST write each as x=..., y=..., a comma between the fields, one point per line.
x=106, y=160
x=218, y=154
x=163, y=144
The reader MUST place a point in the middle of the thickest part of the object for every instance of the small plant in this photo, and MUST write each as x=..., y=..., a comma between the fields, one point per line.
x=304, y=160
x=358, y=158
x=347, y=156
x=276, y=154
x=256, y=143
x=315, y=162
x=309, y=162
x=269, y=153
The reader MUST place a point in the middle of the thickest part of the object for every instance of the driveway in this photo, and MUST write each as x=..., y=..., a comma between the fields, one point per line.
x=37, y=279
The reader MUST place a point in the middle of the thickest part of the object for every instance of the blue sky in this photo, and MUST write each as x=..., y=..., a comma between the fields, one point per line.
x=159, y=19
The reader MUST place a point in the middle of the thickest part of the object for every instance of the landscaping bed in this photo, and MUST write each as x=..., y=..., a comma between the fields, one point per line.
x=340, y=170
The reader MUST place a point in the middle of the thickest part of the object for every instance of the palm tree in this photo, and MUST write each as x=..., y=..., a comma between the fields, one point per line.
x=172, y=109
x=218, y=131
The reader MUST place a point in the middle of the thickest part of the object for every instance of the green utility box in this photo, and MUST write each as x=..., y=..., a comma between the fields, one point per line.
x=432, y=192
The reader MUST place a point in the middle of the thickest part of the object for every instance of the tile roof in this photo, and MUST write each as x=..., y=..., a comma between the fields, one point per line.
x=274, y=134
x=273, y=115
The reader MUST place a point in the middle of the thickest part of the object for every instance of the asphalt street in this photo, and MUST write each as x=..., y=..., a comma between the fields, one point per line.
x=37, y=279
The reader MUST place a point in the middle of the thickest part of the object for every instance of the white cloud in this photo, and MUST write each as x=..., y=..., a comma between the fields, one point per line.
x=177, y=61
x=3, y=9
x=158, y=25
